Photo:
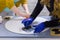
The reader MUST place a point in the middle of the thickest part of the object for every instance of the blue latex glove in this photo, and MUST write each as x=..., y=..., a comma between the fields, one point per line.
x=39, y=28
x=27, y=22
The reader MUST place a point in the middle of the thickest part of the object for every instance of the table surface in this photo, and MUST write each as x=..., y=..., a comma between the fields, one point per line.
x=4, y=33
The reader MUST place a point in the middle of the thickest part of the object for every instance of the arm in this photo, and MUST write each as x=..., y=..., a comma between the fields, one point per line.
x=10, y=4
x=51, y=6
x=37, y=10
x=52, y=23
x=25, y=5
x=18, y=12
x=25, y=8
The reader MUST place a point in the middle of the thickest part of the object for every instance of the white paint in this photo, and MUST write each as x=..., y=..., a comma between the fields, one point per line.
x=16, y=26
x=45, y=29
x=1, y=19
x=19, y=17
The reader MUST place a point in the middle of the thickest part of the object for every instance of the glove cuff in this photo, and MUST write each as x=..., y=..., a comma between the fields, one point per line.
x=31, y=18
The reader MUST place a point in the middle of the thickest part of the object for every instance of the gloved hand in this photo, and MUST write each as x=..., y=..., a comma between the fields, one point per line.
x=40, y=28
x=27, y=22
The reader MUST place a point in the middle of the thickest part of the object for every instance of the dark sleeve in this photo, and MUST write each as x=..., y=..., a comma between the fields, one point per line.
x=52, y=23
x=37, y=10
x=51, y=8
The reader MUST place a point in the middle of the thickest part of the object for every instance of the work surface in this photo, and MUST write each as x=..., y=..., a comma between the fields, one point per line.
x=4, y=33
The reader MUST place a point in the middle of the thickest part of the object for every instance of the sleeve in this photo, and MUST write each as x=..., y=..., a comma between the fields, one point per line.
x=9, y=3
x=17, y=3
x=21, y=2
x=37, y=10
x=2, y=5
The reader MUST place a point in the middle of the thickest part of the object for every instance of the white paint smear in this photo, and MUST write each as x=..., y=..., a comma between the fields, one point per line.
x=16, y=25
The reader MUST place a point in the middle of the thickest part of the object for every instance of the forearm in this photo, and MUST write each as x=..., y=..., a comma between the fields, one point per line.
x=52, y=23
x=18, y=12
x=37, y=10
x=51, y=8
x=25, y=6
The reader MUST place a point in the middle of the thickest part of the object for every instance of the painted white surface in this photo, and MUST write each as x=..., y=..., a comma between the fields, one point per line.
x=16, y=25
x=29, y=38
x=1, y=19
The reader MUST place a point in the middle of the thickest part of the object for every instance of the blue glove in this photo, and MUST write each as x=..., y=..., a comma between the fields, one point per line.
x=39, y=28
x=27, y=22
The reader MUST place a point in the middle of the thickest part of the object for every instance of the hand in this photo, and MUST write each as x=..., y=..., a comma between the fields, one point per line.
x=27, y=15
x=39, y=28
x=27, y=21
